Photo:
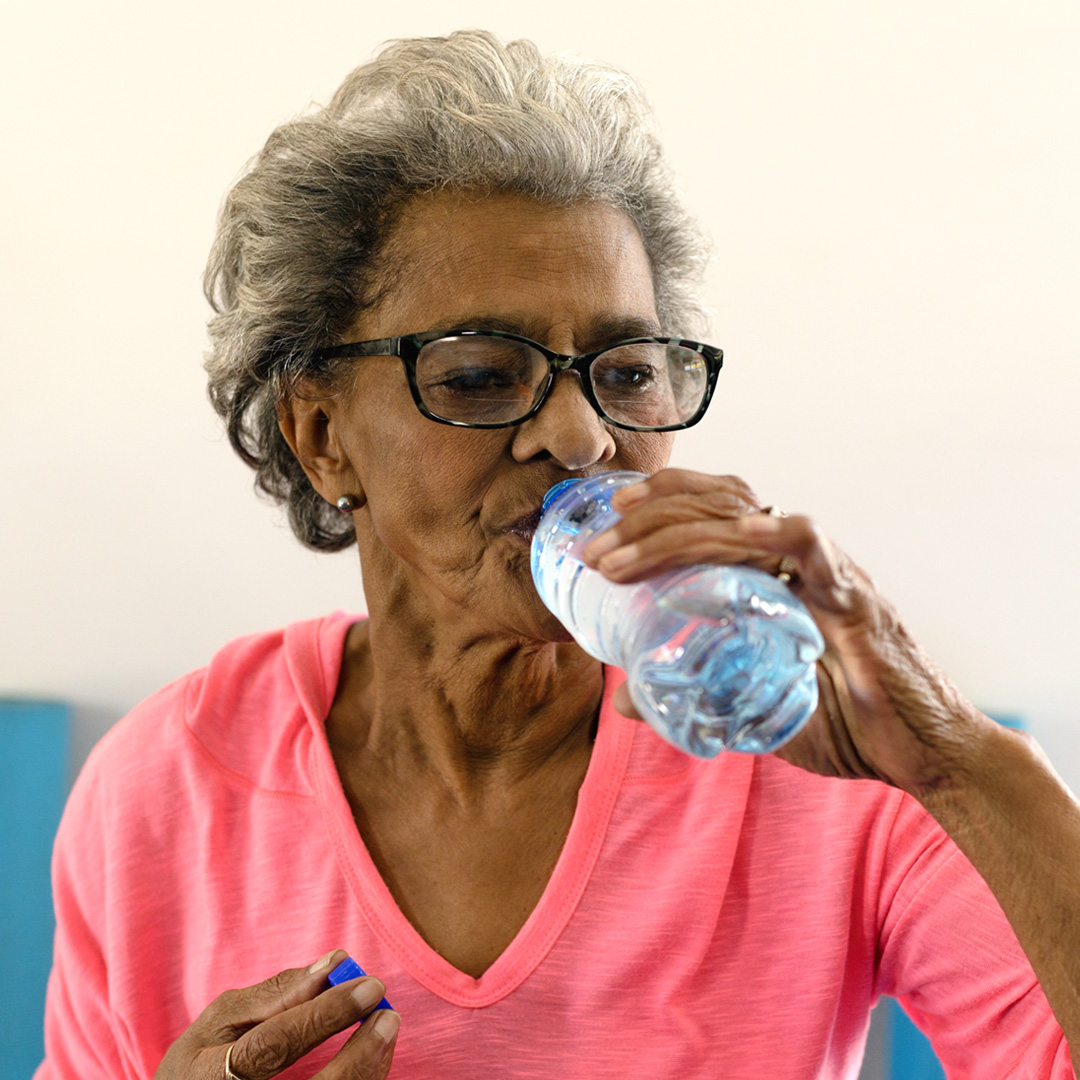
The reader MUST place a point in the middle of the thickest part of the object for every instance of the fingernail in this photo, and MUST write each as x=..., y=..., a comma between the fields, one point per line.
x=619, y=558
x=324, y=963
x=628, y=496
x=761, y=524
x=369, y=993
x=598, y=548
x=386, y=1027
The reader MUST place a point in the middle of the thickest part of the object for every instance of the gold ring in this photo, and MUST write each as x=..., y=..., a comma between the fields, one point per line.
x=786, y=571
x=229, y=1074
x=773, y=511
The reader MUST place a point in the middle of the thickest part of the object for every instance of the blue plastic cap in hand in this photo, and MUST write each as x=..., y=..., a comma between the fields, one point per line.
x=350, y=969
x=346, y=970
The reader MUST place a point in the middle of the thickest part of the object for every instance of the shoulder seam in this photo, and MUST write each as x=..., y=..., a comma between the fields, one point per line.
x=224, y=769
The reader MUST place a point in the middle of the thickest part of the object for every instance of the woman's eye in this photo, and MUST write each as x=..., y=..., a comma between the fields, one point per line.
x=637, y=377
x=476, y=380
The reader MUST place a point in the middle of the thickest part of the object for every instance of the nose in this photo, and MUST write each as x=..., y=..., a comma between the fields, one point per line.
x=567, y=428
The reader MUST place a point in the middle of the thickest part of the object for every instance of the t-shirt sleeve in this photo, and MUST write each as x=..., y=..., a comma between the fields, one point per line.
x=948, y=954
x=107, y=878
x=81, y=1037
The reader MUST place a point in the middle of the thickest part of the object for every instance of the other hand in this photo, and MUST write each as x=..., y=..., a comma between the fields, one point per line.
x=276, y=1022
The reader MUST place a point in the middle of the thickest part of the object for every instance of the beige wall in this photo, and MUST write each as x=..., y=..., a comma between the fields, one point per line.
x=892, y=189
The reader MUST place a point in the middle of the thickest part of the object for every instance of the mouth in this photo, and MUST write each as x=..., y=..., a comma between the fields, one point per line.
x=525, y=525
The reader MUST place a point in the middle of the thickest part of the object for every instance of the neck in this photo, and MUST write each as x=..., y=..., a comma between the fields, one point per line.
x=475, y=711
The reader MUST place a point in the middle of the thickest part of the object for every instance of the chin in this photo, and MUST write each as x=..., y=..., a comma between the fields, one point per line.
x=517, y=606
x=524, y=615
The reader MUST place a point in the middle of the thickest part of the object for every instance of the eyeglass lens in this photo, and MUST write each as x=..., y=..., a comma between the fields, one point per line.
x=491, y=380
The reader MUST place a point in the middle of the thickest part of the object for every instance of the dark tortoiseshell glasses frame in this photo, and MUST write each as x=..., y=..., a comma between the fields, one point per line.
x=408, y=346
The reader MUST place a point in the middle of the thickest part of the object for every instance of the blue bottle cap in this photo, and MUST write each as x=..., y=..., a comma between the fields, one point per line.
x=350, y=969
x=346, y=970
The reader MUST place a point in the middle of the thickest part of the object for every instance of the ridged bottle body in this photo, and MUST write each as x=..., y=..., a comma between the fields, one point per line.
x=716, y=657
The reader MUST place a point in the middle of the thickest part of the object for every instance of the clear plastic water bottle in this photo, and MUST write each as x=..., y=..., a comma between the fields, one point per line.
x=716, y=657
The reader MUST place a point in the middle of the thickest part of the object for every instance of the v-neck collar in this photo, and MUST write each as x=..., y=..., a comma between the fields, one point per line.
x=596, y=800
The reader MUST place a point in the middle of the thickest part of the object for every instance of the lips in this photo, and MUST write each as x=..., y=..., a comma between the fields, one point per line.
x=525, y=525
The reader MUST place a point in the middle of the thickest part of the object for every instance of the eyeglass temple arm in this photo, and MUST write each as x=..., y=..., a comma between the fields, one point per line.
x=390, y=346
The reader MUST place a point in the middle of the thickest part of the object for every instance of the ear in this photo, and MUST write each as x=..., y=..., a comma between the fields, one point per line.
x=311, y=427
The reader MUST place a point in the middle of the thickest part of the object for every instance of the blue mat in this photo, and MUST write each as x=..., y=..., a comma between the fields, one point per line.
x=34, y=748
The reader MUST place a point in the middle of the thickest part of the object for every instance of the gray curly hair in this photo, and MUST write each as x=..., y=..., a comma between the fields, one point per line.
x=296, y=257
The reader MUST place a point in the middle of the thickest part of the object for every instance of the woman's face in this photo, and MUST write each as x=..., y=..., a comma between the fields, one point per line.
x=447, y=513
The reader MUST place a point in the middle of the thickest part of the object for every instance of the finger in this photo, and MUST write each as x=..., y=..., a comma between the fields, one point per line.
x=646, y=518
x=689, y=488
x=369, y=1051
x=829, y=582
x=679, y=545
x=275, y=1044
x=235, y=1011
x=684, y=481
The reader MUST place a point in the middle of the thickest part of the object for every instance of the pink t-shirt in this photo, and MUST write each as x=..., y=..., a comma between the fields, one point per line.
x=725, y=919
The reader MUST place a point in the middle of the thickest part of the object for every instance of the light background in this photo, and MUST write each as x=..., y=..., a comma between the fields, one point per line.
x=892, y=193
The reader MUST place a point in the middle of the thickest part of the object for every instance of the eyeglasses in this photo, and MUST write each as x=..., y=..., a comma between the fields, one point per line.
x=492, y=379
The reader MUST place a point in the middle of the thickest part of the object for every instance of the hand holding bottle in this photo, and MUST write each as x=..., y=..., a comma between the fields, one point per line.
x=885, y=710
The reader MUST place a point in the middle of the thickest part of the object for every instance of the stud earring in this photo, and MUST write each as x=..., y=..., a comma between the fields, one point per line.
x=346, y=504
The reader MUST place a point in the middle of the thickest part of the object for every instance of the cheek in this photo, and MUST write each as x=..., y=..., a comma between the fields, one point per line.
x=425, y=484
x=393, y=450
x=643, y=451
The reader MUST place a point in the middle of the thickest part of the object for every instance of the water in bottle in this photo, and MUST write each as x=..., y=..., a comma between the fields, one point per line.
x=716, y=657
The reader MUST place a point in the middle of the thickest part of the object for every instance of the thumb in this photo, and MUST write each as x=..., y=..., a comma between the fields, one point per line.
x=237, y=1010
x=623, y=703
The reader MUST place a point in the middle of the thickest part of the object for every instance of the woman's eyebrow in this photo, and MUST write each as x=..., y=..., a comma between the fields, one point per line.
x=600, y=331
x=486, y=322
x=610, y=328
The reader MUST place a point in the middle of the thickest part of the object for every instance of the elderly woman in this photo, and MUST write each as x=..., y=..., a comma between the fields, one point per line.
x=448, y=789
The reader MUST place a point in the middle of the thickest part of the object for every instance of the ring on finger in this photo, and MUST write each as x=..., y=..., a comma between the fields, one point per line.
x=786, y=572
x=229, y=1074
